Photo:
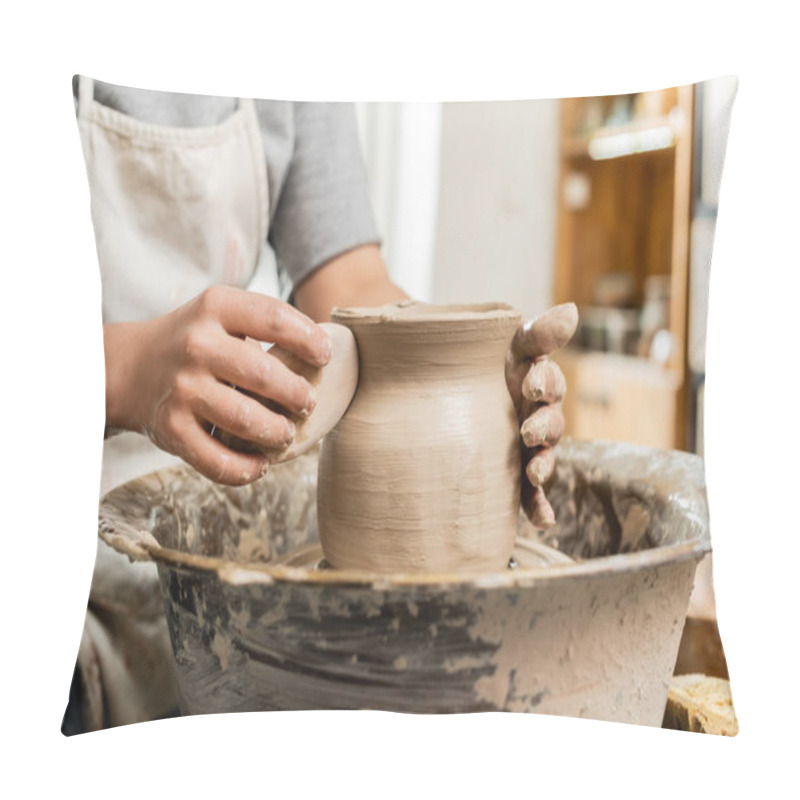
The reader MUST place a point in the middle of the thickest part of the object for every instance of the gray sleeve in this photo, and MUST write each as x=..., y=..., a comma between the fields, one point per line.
x=323, y=209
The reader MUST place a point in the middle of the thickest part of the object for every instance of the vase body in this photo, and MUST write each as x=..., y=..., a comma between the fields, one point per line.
x=422, y=474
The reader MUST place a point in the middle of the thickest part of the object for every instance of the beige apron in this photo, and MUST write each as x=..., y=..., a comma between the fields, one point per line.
x=175, y=210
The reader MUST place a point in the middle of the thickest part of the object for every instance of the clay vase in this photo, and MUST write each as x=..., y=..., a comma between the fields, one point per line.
x=422, y=474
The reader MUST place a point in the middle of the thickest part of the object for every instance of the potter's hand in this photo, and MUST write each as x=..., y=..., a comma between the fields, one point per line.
x=537, y=387
x=172, y=378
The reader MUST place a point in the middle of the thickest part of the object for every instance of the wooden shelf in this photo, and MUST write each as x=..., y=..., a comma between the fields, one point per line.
x=626, y=209
x=619, y=398
x=643, y=136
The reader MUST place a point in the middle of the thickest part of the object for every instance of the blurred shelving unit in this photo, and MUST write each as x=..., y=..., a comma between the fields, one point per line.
x=623, y=249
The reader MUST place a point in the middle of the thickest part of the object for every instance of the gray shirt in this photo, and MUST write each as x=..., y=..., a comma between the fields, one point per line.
x=319, y=204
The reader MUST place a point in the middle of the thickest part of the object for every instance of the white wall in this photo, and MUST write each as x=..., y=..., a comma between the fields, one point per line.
x=401, y=143
x=496, y=229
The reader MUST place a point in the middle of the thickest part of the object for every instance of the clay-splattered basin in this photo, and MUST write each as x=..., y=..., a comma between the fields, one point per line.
x=597, y=638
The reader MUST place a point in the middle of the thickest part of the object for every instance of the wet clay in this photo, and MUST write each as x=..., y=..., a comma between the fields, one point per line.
x=422, y=474
x=528, y=554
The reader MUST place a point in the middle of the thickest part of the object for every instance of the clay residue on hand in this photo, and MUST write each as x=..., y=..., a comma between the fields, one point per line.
x=333, y=387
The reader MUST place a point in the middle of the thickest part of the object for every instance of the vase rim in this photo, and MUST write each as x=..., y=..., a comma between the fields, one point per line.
x=412, y=312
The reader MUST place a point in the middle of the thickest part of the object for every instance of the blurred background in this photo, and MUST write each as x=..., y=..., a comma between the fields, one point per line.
x=609, y=202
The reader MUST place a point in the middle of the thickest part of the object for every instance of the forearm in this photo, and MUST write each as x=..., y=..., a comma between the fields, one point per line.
x=356, y=278
x=120, y=341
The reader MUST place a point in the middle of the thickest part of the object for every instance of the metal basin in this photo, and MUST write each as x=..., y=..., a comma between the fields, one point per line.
x=595, y=638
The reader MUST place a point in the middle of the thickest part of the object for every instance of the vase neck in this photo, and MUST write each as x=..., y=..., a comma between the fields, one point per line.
x=448, y=352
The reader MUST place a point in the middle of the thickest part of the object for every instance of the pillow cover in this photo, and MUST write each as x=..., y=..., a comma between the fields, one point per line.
x=210, y=592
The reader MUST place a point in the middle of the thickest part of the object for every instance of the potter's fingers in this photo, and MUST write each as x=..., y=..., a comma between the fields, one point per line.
x=544, y=382
x=538, y=508
x=242, y=416
x=543, y=426
x=260, y=317
x=541, y=466
x=262, y=374
x=214, y=460
x=515, y=372
x=547, y=333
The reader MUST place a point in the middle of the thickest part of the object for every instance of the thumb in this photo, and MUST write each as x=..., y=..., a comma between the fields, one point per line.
x=547, y=333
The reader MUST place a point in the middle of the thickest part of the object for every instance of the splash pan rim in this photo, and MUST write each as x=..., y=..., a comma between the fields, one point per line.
x=141, y=545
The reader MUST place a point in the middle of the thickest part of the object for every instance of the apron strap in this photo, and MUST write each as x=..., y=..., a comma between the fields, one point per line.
x=85, y=96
